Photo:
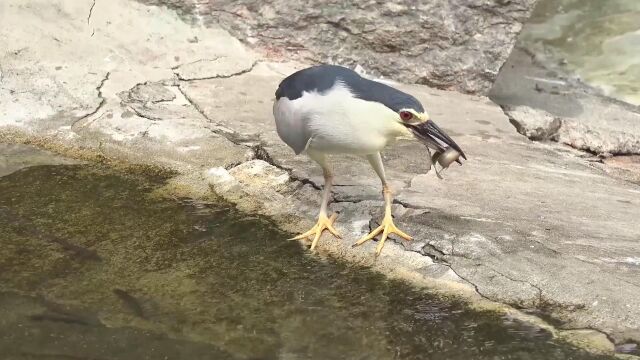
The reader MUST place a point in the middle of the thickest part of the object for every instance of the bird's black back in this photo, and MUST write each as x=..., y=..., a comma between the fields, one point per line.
x=322, y=78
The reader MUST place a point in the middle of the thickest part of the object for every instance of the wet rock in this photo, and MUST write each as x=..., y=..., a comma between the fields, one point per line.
x=499, y=286
x=260, y=174
x=14, y=157
x=456, y=44
x=260, y=187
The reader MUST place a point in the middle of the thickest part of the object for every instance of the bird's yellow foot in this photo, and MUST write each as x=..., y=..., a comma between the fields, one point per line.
x=387, y=227
x=323, y=223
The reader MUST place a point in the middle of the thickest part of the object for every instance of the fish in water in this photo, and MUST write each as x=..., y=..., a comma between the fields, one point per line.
x=130, y=301
x=29, y=227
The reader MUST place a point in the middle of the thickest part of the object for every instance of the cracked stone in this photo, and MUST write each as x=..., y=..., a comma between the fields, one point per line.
x=148, y=92
x=498, y=286
x=221, y=67
x=101, y=98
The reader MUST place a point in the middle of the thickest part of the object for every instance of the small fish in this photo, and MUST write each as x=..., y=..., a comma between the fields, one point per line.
x=59, y=318
x=30, y=228
x=131, y=302
x=445, y=159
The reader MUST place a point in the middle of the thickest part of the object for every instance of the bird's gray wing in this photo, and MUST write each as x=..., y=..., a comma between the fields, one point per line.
x=291, y=125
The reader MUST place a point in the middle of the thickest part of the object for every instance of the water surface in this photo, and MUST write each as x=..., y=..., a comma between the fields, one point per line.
x=599, y=40
x=94, y=264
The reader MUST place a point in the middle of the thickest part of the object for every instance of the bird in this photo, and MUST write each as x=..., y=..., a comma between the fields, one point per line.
x=326, y=110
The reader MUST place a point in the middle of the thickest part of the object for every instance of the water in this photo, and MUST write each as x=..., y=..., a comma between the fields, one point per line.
x=599, y=40
x=95, y=264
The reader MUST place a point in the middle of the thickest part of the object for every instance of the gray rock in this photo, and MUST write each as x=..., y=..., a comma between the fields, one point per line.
x=589, y=133
x=449, y=44
x=535, y=124
x=218, y=67
x=148, y=92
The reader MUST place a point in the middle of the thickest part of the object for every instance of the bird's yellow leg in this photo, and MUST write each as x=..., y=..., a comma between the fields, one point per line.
x=324, y=223
x=386, y=226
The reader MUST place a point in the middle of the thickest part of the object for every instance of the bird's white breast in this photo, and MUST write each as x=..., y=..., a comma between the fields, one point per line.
x=336, y=122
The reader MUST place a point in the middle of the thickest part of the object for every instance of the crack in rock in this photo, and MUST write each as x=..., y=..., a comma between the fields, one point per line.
x=103, y=100
x=408, y=205
x=538, y=289
x=435, y=254
x=258, y=150
x=229, y=134
x=176, y=67
x=471, y=283
x=148, y=92
x=143, y=115
x=183, y=77
x=91, y=11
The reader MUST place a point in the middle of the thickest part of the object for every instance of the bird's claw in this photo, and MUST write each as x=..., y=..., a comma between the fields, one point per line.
x=323, y=223
x=387, y=227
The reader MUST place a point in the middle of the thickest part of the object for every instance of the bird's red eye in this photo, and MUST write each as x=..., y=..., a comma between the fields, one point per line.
x=406, y=115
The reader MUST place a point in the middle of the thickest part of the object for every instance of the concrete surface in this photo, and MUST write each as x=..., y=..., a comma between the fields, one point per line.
x=534, y=225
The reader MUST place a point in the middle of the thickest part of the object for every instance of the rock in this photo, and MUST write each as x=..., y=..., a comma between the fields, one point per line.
x=260, y=175
x=626, y=167
x=154, y=92
x=590, y=134
x=14, y=157
x=219, y=67
x=534, y=124
x=259, y=187
x=449, y=44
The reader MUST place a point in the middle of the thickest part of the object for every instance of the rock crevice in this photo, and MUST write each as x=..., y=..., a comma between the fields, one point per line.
x=101, y=98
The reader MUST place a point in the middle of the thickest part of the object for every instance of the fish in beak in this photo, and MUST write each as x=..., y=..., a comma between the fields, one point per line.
x=446, y=150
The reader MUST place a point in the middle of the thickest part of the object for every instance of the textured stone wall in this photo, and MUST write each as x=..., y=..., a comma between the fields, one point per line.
x=448, y=44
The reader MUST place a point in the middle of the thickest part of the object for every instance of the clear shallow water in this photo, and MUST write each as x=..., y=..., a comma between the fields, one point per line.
x=599, y=40
x=95, y=265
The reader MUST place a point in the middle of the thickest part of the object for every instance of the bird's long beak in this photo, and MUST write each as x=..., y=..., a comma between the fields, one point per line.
x=432, y=136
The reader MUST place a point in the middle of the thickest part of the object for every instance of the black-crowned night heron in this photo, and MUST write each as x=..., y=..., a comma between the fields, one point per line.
x=330, y=109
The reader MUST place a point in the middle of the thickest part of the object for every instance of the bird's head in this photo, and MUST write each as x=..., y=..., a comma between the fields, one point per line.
x=407, y=111
x=416, y=119
x=410, y=116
